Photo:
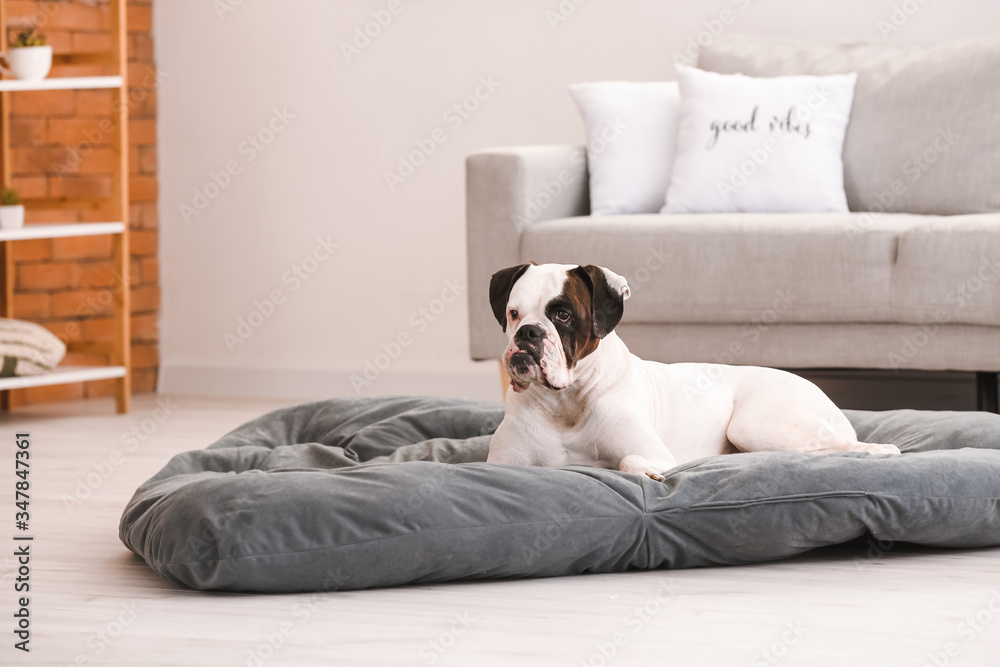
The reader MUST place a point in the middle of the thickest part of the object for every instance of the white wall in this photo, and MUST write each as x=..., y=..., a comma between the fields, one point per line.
x=322, y=175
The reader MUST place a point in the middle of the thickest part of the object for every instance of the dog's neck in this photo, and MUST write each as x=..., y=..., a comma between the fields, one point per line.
x=602, y=368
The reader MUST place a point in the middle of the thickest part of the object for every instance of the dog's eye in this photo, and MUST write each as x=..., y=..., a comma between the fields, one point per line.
x=513, y=315
x=561, y=316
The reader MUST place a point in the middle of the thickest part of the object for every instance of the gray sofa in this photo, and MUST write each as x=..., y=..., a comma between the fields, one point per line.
x=910, y=279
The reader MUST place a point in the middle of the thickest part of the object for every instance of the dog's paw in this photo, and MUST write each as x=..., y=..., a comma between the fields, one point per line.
x=869, y=447
x=638, y=465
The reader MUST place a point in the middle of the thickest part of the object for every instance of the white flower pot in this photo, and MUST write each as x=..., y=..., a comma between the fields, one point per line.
x=11, y=217
x=30, y=63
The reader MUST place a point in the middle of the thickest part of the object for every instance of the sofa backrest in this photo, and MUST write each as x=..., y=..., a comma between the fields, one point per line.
x=924, y=135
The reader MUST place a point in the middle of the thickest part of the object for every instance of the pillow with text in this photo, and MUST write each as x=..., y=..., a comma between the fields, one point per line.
x=759, y=145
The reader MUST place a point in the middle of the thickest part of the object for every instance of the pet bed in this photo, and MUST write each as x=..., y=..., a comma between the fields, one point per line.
x=353, y=493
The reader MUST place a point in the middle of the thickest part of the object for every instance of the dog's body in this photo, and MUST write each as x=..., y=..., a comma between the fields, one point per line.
x=580, y=397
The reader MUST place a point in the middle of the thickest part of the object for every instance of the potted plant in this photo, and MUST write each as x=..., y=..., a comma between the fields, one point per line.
x=11, y=212
x=29, y=58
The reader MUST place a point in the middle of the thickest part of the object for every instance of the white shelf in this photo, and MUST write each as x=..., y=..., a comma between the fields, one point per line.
x=64, y=375
x=60, y=231
x=63, y=83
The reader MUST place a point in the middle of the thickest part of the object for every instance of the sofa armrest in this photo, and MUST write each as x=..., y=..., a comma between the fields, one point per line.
x=508, y=190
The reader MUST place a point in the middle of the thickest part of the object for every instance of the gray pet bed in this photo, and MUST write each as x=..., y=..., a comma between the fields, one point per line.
x=362, y=492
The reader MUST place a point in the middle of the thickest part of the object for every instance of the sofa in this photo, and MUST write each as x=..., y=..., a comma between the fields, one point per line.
x=908, y=279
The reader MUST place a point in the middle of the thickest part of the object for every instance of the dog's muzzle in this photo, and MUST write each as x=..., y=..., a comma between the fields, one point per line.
x=529, y=340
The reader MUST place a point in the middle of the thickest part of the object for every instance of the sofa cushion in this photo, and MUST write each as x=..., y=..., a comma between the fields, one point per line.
x=948, y=271
x=791, y=268
x=923, y=136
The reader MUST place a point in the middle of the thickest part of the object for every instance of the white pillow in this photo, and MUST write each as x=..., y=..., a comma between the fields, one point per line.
x=760, y=145
x=27, y=348
x=631, y=137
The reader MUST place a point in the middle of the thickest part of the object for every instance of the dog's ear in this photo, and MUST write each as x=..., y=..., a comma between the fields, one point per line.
x=608, y=292
x=500, y=286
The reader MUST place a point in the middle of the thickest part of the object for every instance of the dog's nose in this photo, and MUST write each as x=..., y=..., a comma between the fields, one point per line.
x=531, y=333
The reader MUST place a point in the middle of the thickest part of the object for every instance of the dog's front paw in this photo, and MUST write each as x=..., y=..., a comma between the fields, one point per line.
x=638, y=465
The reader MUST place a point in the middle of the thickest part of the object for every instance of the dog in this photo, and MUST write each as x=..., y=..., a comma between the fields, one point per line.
x=581, y=398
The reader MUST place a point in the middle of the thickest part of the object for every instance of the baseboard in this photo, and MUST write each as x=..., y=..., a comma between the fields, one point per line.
x=318, y=384
x=859, y=390
x=893, y=390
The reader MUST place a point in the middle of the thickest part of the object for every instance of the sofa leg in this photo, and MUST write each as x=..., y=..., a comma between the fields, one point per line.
x=504, y=381
x=986, y=392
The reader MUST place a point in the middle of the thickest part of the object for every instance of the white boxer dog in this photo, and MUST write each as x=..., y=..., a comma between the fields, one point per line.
x=581, y=398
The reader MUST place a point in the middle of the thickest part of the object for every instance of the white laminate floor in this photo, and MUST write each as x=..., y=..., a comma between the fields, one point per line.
x=93, y=603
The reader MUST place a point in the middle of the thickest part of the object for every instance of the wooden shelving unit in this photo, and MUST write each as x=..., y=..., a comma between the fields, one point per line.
x=63, y=83
x=118, y=351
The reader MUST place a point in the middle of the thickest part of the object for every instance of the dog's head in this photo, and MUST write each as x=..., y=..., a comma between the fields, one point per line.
x=554, y=315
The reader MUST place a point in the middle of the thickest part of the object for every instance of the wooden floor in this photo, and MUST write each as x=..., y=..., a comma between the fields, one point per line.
x=93, y=602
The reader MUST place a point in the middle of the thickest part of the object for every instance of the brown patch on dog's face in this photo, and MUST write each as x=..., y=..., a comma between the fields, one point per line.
x=555, y=315
x=585, y=312
x=576, y=332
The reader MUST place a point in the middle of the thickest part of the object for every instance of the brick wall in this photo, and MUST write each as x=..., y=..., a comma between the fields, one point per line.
x=60, y=149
